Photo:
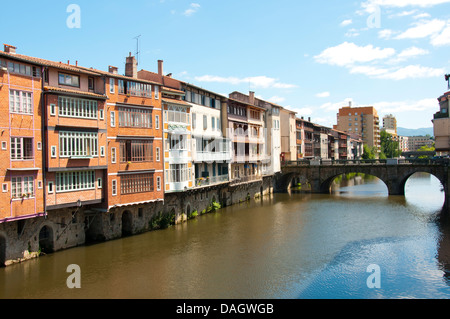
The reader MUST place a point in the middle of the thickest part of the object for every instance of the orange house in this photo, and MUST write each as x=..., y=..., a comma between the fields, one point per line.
x=21, y=175
x=134, y=134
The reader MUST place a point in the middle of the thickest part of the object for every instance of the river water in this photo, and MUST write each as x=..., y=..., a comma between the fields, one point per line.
x=288, y=246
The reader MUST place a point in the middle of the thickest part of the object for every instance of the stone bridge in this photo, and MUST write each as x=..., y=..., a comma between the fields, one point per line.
x=394, y=173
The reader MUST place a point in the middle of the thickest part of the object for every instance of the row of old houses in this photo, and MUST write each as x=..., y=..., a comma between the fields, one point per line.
x=74, y=136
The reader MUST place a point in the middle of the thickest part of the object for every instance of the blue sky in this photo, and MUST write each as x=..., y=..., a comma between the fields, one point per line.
x=308, y=56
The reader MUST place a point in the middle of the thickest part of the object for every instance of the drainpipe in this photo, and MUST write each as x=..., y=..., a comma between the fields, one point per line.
x=44, y=141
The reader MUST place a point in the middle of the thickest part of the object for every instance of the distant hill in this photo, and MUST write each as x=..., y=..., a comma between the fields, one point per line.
x=415, y=132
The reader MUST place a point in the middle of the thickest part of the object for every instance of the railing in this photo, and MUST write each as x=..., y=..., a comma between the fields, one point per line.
x=364, y=162
x=200, y=182
x=245, y=179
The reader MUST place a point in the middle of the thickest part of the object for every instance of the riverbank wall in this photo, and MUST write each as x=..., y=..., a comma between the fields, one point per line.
x=72, y=227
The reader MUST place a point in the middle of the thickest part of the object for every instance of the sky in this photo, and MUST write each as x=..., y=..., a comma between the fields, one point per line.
x=311, y=57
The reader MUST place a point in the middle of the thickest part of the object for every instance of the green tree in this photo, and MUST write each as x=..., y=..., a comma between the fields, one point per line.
x=389, y=147
x=369, y=153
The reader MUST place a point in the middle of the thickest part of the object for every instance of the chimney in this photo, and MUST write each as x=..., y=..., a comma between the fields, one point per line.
x=251, y=98
x=160, y=67
x=113, y=69
x=350, y=103
x=131, y=67
x=309, y=119
x=9, y=48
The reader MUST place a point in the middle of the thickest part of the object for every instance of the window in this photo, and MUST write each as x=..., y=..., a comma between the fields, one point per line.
x=91, y=84
x=21, y=148
x=78, y=144
x=4, y=187
x=113, y=155
x=53, y=109
x=99, y=183
x=179, y=173
x=157, y=122
x=158, y=154
x=158, y=183
x=111, y=85
x=23, y=69
x=75, y=181
x=22, y=186
x=50, y=187
x=102, y=151
x=114, y=187
x=178, y=114
x=213, y=123
x=178, y=142
x=131, y=117
x=53, y=151
x=20, y=102
x=133, y=184
x=101, y=114
x=135, y=88
x=113, y=119
x=39, y=184
x=68, y=79
x=79, y=108
x=4, y=145
x=137, y=151
x=205, y=122
x=156, y=92
x=194, y=120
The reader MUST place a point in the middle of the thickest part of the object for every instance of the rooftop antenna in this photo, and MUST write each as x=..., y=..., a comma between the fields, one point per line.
x=137, y=47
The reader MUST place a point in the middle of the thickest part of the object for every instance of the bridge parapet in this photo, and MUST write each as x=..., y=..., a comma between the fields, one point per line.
x=359, y=162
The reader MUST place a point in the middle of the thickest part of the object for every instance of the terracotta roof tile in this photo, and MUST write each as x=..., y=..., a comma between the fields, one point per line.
x=60, y=90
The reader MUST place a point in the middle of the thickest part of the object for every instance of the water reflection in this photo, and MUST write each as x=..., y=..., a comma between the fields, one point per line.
x=284, y=246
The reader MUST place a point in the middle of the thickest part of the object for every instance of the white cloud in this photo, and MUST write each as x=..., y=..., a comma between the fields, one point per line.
x=412, y=52
x=193, y=8
x=346, y=22
x=423, y=29
x=429, y=104
x=370, y=4
x=277, y=99
x=256, y=81
x=352, y=33
x=442, y=38
x=323, y=94
x=346, y=54
x=422, y=16
x=385, y=34
x=412, y=71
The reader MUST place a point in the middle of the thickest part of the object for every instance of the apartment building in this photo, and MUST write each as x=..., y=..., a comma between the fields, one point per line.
x=177, y=131
x=22, y=176
x=363, y=121
x=211, y=151
x=134, y=132
x=416, y=142
x=272, y=130
x=245, y=129
x=441, y=125
x=288, y=135
x=390, y=124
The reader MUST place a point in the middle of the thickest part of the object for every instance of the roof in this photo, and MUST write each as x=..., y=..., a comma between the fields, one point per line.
x=172, y=91
x=113, y=75
x=178, y=102
x=68, y=91
x=245, y=103
x=43, y=62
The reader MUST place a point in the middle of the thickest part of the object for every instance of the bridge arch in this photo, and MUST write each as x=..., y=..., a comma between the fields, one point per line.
x=327, y=184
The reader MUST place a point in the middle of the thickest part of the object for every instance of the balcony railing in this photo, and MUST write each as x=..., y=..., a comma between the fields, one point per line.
x=213, y=180
x=245, y=179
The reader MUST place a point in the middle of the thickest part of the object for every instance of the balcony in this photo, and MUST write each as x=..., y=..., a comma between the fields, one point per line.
x=209, y=181
x=210, y=157
x=440, y=115
x=246, y=179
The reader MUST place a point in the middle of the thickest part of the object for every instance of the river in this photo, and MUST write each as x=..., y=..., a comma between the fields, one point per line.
x=286, y=246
